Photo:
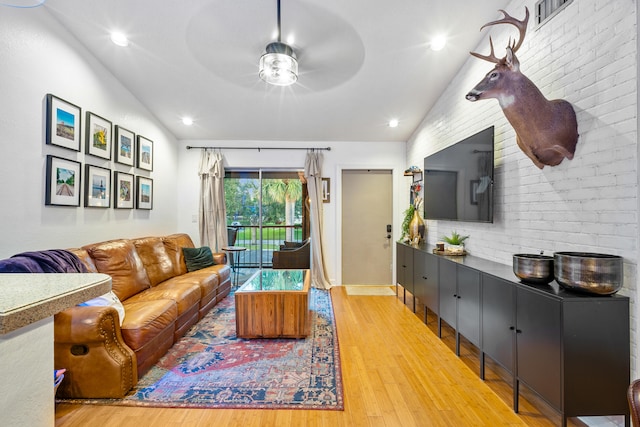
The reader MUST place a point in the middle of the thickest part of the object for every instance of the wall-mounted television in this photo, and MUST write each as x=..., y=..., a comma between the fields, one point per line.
x=458, y=180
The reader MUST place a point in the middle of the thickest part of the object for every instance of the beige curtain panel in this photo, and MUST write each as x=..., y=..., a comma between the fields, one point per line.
x=212, y=218
x=313, y=173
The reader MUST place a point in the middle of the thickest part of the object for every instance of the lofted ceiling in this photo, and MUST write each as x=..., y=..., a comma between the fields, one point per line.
x=362, y=62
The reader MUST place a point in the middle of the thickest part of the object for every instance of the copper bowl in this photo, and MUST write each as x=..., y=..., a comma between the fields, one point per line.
x=589, y=272
x=534, y=269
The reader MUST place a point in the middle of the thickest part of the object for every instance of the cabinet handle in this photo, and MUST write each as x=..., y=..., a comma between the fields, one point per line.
x=511, y=328
x=455, y=295
x=458, y=296
x=518, y=331
x=425, y=277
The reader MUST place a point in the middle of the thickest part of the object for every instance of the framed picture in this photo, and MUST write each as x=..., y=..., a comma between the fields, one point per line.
x=122, y=190
x=144, y=155
x=97, y=187
x=326, y=190
x=473, y=188
x=124, y=146
x=63, y=182
x=144, y=193
x=63, y=123
x=98, y=136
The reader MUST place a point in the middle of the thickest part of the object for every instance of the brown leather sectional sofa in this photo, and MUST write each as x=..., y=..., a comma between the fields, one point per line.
x=162, y=300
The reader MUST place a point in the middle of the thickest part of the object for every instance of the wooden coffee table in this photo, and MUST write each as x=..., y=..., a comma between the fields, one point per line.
x=274, y=304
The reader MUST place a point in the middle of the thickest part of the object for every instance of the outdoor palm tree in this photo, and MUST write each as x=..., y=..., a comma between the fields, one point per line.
x=288, y=191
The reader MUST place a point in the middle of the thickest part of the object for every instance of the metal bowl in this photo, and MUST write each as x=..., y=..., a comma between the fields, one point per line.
x=600, y=274
x=534, y=269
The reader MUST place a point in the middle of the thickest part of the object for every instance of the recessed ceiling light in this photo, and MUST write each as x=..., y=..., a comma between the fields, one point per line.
x=120, y=39
x=393, y=123
x=438, y=42
x=187, y=121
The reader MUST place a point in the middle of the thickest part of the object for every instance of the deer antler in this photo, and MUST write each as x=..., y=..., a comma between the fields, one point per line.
x=508, y=19
x=491, y=57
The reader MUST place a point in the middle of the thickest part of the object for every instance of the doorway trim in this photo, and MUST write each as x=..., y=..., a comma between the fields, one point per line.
x=396, y=215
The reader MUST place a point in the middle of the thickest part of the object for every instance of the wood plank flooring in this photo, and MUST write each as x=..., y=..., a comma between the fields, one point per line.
x=396, y=372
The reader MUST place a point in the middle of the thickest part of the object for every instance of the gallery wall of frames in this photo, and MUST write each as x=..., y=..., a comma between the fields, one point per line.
x=67, y=183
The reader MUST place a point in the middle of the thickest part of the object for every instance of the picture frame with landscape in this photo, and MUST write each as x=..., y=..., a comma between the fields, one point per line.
x=123, y=190
x=144, y=153
x=64, y=123
x=144, y=193
x=97, y=188
x=62, y=182
x=98, y=136
x=124, y=146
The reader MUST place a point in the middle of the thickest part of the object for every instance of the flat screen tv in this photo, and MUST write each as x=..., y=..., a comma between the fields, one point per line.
x=458, y=180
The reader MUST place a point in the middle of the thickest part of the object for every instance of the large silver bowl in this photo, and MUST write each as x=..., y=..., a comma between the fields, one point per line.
x=589, y=272
x=535, y=269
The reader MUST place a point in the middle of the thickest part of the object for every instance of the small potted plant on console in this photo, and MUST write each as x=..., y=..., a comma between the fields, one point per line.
x=455, y=244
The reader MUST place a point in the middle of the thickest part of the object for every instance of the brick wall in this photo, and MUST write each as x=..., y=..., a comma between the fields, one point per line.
x=586, y=54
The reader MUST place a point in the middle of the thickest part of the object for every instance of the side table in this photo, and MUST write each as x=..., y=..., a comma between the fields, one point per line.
x=232, y=251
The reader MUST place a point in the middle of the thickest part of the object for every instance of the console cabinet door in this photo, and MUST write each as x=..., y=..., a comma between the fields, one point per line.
x=538, y=337
x=498, y=320
x=448, y=291
x=404, y=266
x=400, y=263
x=468, y=297
x=431, y=272
x=425, y=279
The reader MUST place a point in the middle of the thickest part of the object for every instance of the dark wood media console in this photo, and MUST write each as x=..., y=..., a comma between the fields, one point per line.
x=572, y=349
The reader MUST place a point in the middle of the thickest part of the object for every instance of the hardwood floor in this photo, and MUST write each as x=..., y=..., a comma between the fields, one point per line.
x=396, y=372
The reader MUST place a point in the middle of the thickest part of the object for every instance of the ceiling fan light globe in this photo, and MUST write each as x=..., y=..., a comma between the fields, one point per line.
x=279, y=66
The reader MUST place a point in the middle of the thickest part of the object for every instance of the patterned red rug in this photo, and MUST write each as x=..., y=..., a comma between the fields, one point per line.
x=211, y=368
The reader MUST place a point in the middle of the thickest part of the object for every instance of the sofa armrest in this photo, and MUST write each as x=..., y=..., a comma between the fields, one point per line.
x=89, y=345
x=220, y=257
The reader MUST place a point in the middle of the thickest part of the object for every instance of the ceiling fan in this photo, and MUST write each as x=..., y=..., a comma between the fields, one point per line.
x=328, y=49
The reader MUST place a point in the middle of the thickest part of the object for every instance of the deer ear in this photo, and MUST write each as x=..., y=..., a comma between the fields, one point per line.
x=511, y=61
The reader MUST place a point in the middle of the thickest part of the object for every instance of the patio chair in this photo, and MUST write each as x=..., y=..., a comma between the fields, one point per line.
x=293, y=255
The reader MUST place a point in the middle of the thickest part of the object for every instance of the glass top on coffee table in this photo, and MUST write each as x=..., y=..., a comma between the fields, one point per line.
x=276, y=280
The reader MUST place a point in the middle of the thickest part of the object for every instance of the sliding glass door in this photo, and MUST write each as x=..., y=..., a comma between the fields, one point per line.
x=265, y=208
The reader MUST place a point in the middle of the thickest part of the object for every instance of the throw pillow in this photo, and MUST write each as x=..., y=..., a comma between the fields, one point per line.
x=198, y=258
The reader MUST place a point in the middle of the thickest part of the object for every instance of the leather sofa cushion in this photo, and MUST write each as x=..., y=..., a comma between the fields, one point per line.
x=85, y=258
x=174, y=244
x=223, y=271
x=119, y=259
x=155, y=258
x=185, y=294
x=206, y=281
x=147, y=319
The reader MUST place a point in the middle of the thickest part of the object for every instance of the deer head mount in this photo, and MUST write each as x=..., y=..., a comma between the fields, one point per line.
x=547, y=131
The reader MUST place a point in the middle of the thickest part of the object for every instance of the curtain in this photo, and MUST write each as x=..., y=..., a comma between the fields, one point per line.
x=313, y=173
x=213, y=211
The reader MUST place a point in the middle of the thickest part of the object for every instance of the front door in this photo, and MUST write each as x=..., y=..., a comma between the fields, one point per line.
x=367, y=210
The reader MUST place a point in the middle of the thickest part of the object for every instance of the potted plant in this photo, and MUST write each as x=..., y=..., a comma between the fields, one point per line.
x=408, y=215
x=455, y=243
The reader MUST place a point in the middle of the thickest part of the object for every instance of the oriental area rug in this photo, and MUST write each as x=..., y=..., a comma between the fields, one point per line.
x=211, y=368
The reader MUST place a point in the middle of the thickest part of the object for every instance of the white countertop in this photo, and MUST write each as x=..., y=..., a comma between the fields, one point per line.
x=27, y=298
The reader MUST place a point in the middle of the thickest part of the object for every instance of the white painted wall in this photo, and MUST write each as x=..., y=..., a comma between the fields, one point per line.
x=587, y=55
x=343, y=155
x=40, y=57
